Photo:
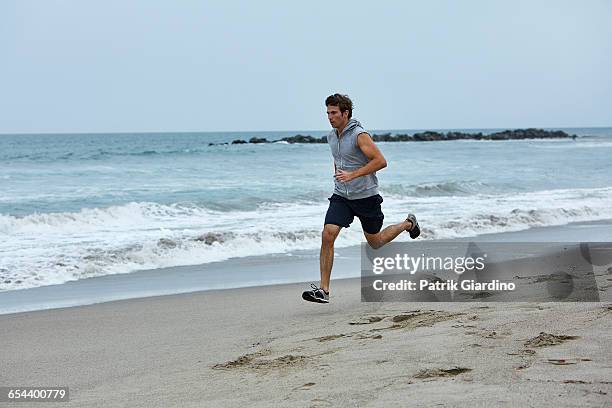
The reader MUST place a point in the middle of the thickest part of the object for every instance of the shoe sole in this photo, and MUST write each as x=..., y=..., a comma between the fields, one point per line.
x=416, y=229
x=417, y=232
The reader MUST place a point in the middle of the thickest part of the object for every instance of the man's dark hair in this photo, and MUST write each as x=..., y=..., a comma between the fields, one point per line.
x=341, y=101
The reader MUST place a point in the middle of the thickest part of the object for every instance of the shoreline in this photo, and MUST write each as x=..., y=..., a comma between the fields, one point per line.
x=258, y=271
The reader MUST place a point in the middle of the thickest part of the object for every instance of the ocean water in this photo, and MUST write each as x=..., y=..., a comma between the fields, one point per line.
x=74, y=206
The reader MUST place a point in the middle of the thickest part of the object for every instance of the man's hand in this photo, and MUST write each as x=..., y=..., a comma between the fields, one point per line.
x=345, y=176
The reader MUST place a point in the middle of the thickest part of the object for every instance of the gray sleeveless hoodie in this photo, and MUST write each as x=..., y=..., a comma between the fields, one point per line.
x=348, y=156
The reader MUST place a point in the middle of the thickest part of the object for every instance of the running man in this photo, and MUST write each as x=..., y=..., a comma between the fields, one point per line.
x=356, y=161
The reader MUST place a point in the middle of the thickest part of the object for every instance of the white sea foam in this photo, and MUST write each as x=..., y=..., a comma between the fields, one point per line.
x=574, y=145
x=44, y=249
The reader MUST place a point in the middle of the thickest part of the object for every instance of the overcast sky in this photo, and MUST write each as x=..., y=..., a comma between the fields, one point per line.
x=113, y=66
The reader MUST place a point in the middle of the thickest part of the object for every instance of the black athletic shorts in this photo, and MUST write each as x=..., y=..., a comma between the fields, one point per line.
x=342, y=211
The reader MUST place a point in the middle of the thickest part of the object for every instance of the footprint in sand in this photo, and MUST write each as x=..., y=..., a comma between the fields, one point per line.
x=547, y=339
x=489, y=334
x=355, y=335
x=526, y=355
x=306, y=386
x=367, y=336
x=476, y=345
x=367, y=320
x=561, y=361
x=441, y=372
x=318, y=402
x=418, y=318
x=331, y=337
x=523, y=353
x=495, y=334
x=241, y=361
x=566, y=361
x=257, y=361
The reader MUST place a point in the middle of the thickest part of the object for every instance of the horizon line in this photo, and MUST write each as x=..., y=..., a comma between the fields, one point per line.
x=291, y=130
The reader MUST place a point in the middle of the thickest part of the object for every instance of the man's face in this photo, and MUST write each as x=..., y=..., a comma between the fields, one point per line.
x=336, y=118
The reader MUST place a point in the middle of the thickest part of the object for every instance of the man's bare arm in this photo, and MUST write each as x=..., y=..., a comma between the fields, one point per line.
x=376, y=160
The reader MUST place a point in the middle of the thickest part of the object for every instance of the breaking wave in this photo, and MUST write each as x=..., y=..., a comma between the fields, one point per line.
x=43, y=249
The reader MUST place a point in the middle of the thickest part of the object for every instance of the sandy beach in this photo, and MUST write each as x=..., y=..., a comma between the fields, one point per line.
x=263, y=346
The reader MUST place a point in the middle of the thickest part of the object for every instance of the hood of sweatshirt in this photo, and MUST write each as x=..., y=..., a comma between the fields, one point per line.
x=352, y=124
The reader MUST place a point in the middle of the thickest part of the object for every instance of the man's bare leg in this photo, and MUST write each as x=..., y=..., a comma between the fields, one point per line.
x=326, y=259
x=388, y=234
